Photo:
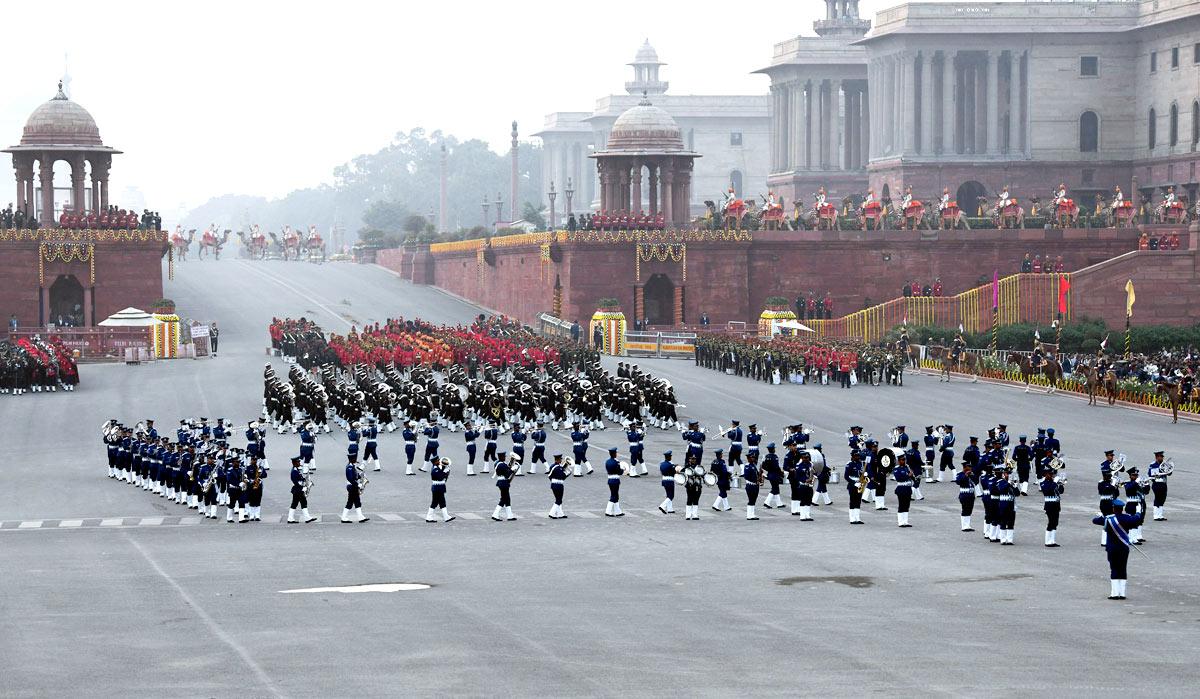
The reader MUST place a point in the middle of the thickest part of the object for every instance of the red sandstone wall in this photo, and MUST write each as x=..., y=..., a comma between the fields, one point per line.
x=393, y=259
x=730, y=281
x=1167, y=286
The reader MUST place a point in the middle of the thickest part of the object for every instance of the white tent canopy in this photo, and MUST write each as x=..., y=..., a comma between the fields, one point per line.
x=793, y=325
x=130, y=317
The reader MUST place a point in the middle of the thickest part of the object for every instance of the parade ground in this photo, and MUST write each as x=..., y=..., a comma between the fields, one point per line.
x=108, y=590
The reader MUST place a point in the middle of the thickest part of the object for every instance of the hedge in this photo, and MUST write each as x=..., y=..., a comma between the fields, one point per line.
x=1079, y=335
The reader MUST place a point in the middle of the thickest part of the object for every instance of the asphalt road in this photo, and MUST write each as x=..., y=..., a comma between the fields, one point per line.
x=106, y=584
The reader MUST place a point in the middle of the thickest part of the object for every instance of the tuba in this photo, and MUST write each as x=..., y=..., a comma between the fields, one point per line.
x=894, y=435
x=362, y=478
x=1167, y=468
x=1120, y=463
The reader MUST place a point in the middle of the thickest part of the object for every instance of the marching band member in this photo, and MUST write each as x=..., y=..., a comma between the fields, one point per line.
x=823, y=475
x=750, y=473
x=353, y=437
x=613, y=468
x=719, y=468
x=579, y=447
x=1022, y=454
x=666, y=470
x=694, y=437
x=912, y=457
x=1109, y=462
x=947, y=453
x=1158, y=484
x=879, y=475
x=431, y=447
x=1135, y=494
x=471, y=436
x=539, y=449
x=1053, y=446
x=208, y=477
x=1116, y=524
x=353, y=494
x=693, y=487
x=1108, y=491
x=557, y=473
x=490, y=436
x=991, y=522
x=753, y=439
x=966, y=496
x=505, y=472
x=634, y=434
x=904, y=488
x=308, y=445
x=519, y=437
x=410, y=447
x=370, y=434
x=255, y=474
x=438, y=476
x=735, y=436
x=299, y=499
x=1006, y=504
x=930, y=441
x=774, y=475
x=802, y=476
x=853, y=474
x=233, y=488
x=1052, y=492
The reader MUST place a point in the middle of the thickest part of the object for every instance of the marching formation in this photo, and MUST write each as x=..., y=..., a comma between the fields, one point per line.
x=34, y=365
x=781, y=359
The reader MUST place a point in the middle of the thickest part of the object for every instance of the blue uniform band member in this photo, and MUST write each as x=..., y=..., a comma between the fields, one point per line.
x=519, y=438
x=255, y=474
x=613, y=468
x=471, y=437
x=930, y=441
x=1116, y=524
x=720, y=469
x=557, y=473
x=490, y=436
x=904, y=490
x=431, y=447
x=539, y=449
x=506, y=470
x=410, y=447
x=666, y=471
x=635, y=434
x=946, y=462
x=751, y=472
x=1004, y=493
x=966, y=496
x=856, y=483
x=579, y=447
x=693, y=487
x=300, y=487
x=438, y=476
x=1108, y=491
x=1052, y=490
x=1158, y=473
x=370, y=435
x=308, y=445
x=233, y=487
x=354, y=474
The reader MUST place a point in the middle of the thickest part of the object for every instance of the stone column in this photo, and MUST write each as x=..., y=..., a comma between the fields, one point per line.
x=993, y=102
x=796, y=122
x=775, y=128
x=928, y=104
x=625, y=184
x=677, y=306
x=23, y=170
x=47, y=182
x=865, y=142
x=908, y=79
x=1026, y=142
x=836, y=159
x=88, y=321
x=948, y=103
x=78, y=205
x=685, y=196
x=104, y=191
x=806, y=126
x=1014, y=111
x=95, y=190
x=785, y=128
x=637, y=187
x=981, y=115
x=652, y=186
x=668, y=191
x=968, y=108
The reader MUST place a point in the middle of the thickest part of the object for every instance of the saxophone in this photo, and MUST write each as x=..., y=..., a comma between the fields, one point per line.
x=862, y=481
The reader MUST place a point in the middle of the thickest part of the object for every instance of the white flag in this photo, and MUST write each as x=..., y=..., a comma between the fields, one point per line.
x=1037, y=335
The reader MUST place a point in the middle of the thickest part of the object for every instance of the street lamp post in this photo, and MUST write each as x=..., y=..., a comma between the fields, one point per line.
x=553, y=195
x=499, y=209
x=570, y=192
x=486, y=206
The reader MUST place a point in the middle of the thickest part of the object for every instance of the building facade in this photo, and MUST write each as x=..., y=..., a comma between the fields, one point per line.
x=974, y=97
x=731, y=131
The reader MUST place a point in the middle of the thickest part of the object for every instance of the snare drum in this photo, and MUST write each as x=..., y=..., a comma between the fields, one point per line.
x=710, y=479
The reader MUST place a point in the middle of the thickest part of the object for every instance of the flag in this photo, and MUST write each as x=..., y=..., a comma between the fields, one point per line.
x=1130, y=297
x=1104, y=343
x=995, y=289
x=960, y=327
x=1037, y=335
x=1064, y=286
x=904, y=322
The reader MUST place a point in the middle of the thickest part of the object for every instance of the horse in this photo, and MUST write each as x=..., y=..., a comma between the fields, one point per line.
x=181, y=244
x=1091, y=384
x=1174, y=395
x=1051, y=369
x=966, y=362
x=914, y=358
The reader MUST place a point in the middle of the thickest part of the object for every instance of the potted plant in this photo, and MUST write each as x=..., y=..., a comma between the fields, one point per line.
x=776, y=309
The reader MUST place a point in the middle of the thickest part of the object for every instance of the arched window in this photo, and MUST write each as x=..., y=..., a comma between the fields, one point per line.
x=1196, y=121
x=1089, y=132
x=1173, y=126
x=735, y=181
x=1152, y=133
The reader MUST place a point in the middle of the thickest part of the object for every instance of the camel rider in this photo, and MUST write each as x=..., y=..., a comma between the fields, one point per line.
x=944, y=202
x=1060, y=195
x=1118, y=198
x=820, y=198
x=1168, y=201
x=771, y=203
x=869, y=199
x=907, y=200
x=1004, y=200
x=728, y=200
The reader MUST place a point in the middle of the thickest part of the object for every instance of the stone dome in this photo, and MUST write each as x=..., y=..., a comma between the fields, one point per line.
x=646, y=54
x=61, y=122
x=645, y=127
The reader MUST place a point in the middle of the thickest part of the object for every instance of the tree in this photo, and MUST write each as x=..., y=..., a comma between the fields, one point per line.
x=385, y=216
x=533, y=214
x=414, y=224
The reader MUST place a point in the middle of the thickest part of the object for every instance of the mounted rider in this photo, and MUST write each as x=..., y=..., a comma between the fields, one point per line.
x=1003, y=200
x=728, y=200
x=908, y=198
x=1038, y=360
x=944, y=202
x=958, y=346
x=820, y=202
x=1168, y=202
x=1118, y=198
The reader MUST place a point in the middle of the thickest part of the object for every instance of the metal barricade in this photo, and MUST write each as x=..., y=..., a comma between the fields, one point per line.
x=665, y=345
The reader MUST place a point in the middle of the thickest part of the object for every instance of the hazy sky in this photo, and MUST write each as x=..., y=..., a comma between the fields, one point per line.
x=261, y=98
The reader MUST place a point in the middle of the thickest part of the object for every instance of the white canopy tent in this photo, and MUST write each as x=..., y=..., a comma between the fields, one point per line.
x=793, y=325
x=128, y=318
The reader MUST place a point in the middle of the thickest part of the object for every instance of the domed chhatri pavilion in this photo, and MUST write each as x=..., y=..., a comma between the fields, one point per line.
x=646, y=142
x=74, y=276
x=61, y=130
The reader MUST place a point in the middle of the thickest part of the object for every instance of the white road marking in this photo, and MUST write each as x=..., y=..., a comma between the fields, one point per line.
x=114, y=522
x=587, y=515
x=150, y=521
x=374, y=587
x=468, y=515
x=209, y=622
x=71, y=523
x=31, y=524
x=390, y=517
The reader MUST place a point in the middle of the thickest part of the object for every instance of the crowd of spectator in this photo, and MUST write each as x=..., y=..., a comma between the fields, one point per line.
x=1037, y=264
x=1166, y=241
x=915, y=288
x=814, y=308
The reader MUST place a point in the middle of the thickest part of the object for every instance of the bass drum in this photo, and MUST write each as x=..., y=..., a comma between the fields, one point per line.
x=680, y=479
x=889, y=457
x=818, y=462
x=710, y=479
